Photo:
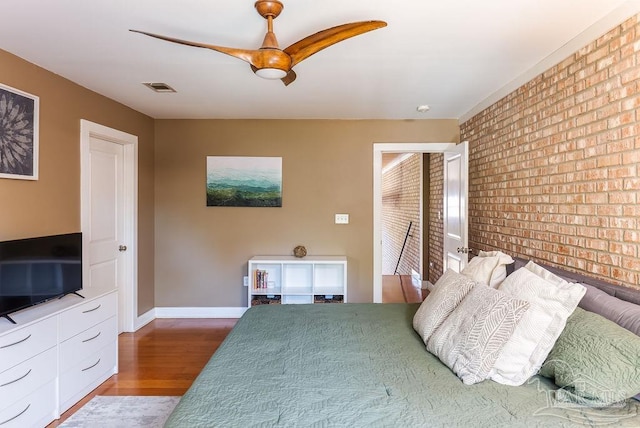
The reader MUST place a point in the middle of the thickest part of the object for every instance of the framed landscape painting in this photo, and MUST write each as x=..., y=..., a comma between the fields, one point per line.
x=18, y=134
x=242, y=181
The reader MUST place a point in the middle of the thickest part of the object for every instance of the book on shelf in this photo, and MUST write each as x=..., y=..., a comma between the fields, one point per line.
x=261, y=279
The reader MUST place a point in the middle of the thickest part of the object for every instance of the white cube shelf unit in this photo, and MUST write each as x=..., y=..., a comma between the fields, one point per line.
x=292, y=280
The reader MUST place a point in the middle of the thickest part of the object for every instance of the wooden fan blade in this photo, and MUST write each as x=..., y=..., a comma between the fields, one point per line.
x=243, y=54
x=316, y=42
x=289, y=78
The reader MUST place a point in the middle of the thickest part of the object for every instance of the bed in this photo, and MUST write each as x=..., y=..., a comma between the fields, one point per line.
x=360, y=365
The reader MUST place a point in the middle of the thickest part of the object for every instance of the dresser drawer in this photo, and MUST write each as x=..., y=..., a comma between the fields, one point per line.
x=27, y=342
x=34, y=410
x=98, y=366
x=90, y=341
x=25, y=378
x=86, y=315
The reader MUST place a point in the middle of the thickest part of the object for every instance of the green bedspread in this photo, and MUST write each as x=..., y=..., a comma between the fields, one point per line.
x=349, y=365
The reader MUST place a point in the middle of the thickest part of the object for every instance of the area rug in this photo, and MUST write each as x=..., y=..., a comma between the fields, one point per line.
x=123, y=411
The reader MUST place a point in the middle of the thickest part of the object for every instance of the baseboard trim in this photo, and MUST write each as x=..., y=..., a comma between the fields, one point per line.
x=230, y=312
x=145, y=319
x=427, y=285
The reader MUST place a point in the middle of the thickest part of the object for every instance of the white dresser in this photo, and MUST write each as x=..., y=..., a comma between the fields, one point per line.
x=57, y=353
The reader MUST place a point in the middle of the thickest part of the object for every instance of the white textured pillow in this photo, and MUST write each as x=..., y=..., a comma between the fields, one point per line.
x=470, y=339
x=447, y=293
x=537, y=332
x=488, y=267
x=549, y=276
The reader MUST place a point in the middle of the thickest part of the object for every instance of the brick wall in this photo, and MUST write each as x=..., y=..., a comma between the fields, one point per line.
x=426, y=210
x=436, y=224
x=554, y=166
x=400, y=205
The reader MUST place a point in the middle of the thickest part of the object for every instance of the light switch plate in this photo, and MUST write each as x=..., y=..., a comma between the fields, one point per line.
x=342, y=218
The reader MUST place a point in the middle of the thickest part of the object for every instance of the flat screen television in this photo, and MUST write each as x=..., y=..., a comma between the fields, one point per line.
x=35, y=270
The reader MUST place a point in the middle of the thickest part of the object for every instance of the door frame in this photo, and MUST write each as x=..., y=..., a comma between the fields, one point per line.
x=378, y=149
x=129, y=143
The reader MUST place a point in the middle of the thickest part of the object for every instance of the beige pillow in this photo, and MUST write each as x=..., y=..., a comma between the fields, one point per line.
x=537, y=332
x=480, y=269
x=470, y=339
x=488, y=267
x=447, y=293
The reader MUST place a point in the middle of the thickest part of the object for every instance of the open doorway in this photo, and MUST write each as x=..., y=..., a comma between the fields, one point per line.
x=437, y=209
x=404, y=257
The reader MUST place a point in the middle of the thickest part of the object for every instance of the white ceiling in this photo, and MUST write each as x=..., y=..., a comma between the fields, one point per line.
x=449, y=54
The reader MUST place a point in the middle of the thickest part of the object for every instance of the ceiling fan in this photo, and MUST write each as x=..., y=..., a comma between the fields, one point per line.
x=271, y=62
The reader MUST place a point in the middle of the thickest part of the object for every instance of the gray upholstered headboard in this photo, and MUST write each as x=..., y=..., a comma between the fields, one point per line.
x=620, y=305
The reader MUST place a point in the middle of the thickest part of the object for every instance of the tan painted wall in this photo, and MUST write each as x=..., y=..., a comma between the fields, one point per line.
x=201, y=252
x=51, y=205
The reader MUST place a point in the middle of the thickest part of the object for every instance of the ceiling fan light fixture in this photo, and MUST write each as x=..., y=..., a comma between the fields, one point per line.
x=271, y=73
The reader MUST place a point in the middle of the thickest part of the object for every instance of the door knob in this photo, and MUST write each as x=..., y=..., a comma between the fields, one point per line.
x=122, y=248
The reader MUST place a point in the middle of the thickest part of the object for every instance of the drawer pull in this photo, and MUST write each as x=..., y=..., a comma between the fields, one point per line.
x=16, y=416
x=91, y=338
x=15, y=343
x=16, y=380
x=90, y=367
x=91, y=310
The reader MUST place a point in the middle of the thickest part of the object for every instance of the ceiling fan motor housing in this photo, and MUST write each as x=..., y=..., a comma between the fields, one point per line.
x=270, y=8
x=272, y=58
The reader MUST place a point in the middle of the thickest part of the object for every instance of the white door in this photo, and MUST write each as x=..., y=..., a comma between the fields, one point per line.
x=108, y=218
x=456, y=171
x=106, y=235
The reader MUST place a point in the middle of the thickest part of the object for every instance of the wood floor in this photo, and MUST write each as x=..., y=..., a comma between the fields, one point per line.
x=165, y=356
x=162, y=358
x=400, y=289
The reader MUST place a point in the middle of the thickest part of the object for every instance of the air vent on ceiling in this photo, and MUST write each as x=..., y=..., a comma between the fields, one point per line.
x=159, y=87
